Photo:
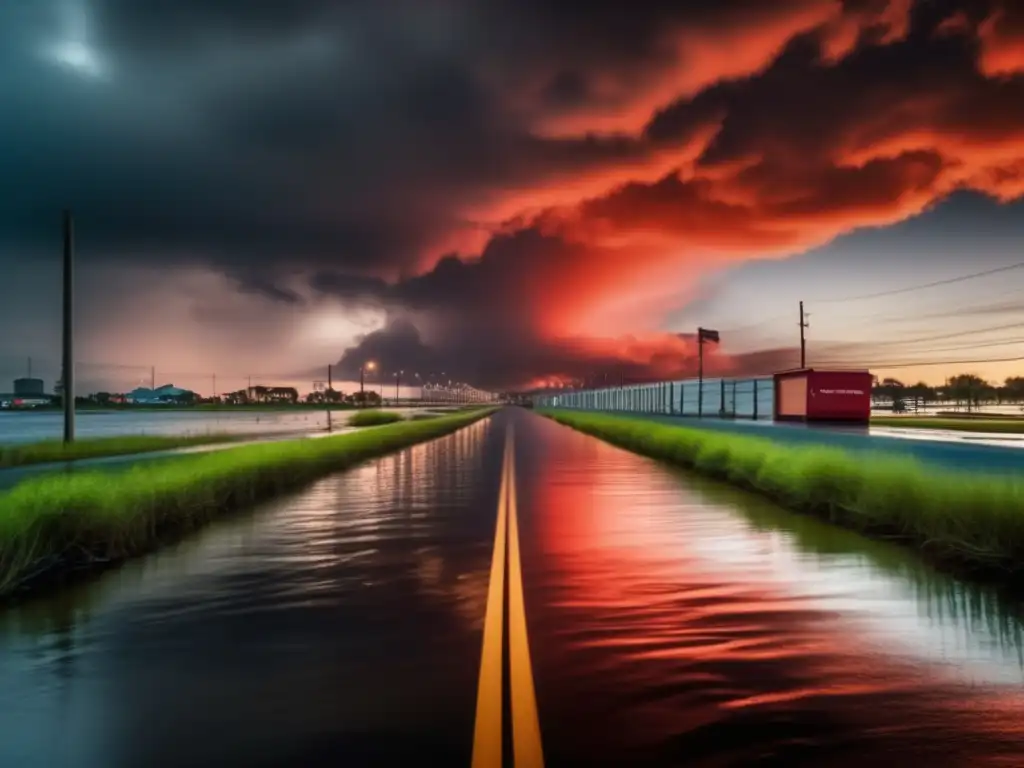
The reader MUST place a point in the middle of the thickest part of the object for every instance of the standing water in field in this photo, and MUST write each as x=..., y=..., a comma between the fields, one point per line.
x=671, y=622
x=27, y=427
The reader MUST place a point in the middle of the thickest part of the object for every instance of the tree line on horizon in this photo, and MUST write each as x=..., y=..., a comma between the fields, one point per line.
x=256, y=395
x=965, y=388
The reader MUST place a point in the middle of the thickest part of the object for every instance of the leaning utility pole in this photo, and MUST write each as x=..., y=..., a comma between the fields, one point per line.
x=803, y=341
x=68, y=391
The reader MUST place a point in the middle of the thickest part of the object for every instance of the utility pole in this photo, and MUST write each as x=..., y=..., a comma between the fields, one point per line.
x=330, y=385
x=803, y=341
x=152, y=377
x=215, y=386
x=69, y=328
x=398, y=381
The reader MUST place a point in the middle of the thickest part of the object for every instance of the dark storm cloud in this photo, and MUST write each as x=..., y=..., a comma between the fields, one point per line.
x=794, y=143
x=355, y=142
x=467, y=355
x=483, y=307
x=309, y=131
x=159, y=23
x=296, y=134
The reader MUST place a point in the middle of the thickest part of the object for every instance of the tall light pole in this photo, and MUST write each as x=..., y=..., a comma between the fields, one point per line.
x=803, y=339
x=68, y=391
x=398, y=381
x=367, y=366
x=703, y=335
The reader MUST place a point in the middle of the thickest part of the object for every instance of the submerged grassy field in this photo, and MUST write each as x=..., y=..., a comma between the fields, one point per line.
x=52, y=526
x=373, y=418
x=96, y=447
x=970, y=523
x=1008, y=426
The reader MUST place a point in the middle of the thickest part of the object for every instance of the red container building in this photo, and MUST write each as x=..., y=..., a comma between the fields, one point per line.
x=811, y=395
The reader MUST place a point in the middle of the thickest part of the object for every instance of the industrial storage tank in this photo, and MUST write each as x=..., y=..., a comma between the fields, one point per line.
x=822, y=395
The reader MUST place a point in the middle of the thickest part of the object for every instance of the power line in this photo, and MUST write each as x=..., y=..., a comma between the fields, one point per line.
x=838, y=348
x=917, y=364
x=923, y=286
x=939, y=337
x=987, y=308
x=961, y=347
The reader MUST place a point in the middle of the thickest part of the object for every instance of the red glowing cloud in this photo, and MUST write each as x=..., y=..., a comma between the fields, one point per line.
x=1002, y=41
x=761, y=139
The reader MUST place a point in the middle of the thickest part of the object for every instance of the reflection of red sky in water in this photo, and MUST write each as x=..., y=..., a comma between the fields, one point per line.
x=672, y=614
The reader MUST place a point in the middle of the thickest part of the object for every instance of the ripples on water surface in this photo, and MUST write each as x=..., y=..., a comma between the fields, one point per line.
x=671, y=622
x=306, y=631
x=695, y=624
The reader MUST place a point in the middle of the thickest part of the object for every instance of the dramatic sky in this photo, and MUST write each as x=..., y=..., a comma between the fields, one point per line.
x=511, y=191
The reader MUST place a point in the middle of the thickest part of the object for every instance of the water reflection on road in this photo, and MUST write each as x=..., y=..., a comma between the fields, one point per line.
x=671, y=623
x=677, y=623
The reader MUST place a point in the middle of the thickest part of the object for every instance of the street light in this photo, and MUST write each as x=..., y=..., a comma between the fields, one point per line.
x=367, y=366
x=398, y=381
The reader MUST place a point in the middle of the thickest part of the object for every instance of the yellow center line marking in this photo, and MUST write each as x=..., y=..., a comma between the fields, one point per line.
x=487, y=746
x=526, y=743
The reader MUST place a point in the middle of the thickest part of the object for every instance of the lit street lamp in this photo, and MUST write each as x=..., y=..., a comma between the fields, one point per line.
x=368, y=366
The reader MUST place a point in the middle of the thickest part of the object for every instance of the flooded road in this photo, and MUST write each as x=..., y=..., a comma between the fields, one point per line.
x=670, y=622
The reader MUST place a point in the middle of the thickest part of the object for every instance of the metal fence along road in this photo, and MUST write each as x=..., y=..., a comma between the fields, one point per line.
x=752, y=398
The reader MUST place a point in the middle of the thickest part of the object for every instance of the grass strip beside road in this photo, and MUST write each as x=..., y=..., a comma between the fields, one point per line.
x=52, y=526
x=373, y=418
x=972, y=524
x=1008, y=426
x=47, y=451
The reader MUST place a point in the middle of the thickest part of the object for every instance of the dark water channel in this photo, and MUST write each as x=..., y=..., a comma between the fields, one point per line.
x=671, y=622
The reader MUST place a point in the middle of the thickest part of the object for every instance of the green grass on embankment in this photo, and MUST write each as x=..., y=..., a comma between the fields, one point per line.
x=97, y=447
x=373, y=418
x=970, y=523
x=1009, y=426
x=56, y=525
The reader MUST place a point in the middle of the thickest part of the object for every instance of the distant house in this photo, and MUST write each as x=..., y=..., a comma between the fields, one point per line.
x=167, y=394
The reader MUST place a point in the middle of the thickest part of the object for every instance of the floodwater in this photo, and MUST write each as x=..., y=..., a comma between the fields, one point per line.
x=671, y=622
x=11, y=476
x=24, y=427
x=972, y=452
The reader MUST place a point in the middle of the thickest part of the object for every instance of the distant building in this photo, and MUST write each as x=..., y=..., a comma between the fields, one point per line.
x=28, y=387
x=168, y=393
